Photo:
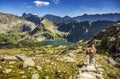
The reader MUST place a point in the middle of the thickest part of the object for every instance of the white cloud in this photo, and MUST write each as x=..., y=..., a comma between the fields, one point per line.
x=41, y=3
x=56, y=1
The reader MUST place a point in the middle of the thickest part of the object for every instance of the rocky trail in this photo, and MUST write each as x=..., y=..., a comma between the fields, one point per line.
x=90, y=71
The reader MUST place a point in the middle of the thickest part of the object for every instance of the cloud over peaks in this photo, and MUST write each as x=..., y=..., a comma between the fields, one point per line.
x=41, y=3
x=56, y=1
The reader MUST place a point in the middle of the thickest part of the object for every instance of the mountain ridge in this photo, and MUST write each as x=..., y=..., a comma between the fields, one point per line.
x=85, y=17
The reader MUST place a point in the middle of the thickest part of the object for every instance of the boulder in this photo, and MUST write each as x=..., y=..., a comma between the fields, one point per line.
x=39, y=68
x=100, y=69
x=28, y=62
x=7, y=57
x=7, y=71
x=86, y=75
x=91, y=68
x=35, y=76
x=71, y=55
x=24, y=77
x=117, y=60
x=21, y=57
x=68, y=59
x=116, y=55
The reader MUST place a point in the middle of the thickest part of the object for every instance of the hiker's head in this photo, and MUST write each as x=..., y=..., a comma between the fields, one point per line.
x=93, y=45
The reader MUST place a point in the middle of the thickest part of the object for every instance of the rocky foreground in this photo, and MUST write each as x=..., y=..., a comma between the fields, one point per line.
x=55, y=63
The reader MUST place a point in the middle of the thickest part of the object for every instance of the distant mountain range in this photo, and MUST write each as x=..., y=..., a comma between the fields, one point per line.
x=58, y=19
x=32, y=28
x=85, y=17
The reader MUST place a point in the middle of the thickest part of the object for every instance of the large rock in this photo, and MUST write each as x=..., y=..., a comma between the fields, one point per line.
x=71, y=55
x=26, y=61
x=7, y=57
x=90, y=68
x=68, y=59
x=21, y=57
x=7, y=71
x=35, y=76
x=39, y=68
x=85, y=75
x=117, y=60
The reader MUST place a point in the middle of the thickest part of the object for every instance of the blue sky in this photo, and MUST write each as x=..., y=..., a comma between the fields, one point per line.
x=60, y=7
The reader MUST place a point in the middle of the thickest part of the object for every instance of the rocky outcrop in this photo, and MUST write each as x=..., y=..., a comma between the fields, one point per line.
x=109, y=38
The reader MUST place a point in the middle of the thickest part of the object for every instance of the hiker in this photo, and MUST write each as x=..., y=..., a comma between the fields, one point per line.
x=92, y=51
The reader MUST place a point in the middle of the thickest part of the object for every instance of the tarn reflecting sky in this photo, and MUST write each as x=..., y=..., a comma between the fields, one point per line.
x=60, y=7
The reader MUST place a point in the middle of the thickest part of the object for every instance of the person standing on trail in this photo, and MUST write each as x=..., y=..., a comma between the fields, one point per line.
x=92, y=52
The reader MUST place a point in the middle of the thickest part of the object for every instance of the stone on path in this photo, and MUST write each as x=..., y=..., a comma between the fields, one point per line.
x=91, y=68
x=86, y=75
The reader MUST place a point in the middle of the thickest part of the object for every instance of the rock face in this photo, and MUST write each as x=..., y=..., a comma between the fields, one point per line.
x=83, y=30
x=109, y=39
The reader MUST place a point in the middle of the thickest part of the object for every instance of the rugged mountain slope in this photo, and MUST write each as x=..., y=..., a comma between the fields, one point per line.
x=33, y=18
x=85, y=17
x=83, y=30
x=16, y=29
x=109, y=39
